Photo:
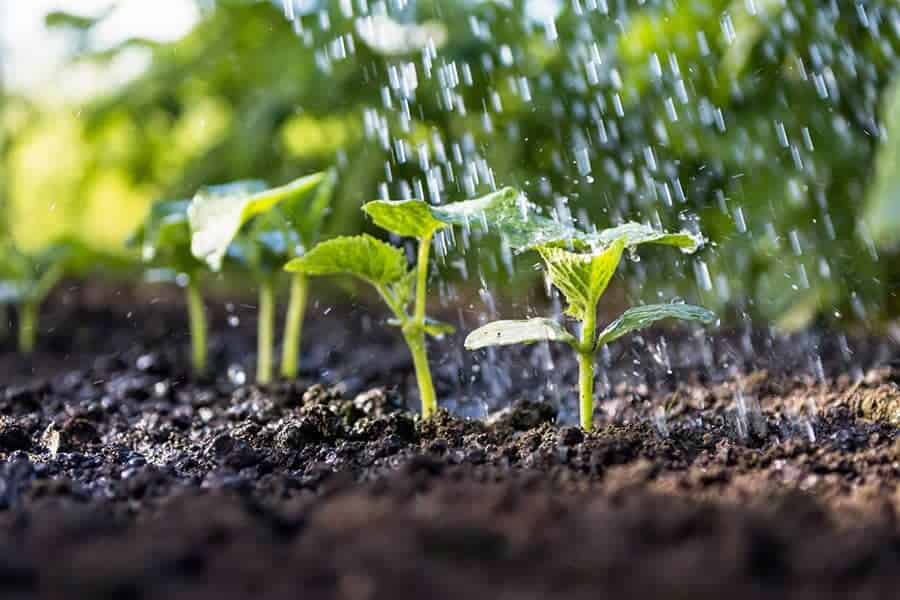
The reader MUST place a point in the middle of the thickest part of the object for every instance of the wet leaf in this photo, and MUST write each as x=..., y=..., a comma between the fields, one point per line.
x=408, y=218
x=363, y=256
x=582, y=278
x=164, y=237
x=508, y=332
x=643, y=316
x=217, y=213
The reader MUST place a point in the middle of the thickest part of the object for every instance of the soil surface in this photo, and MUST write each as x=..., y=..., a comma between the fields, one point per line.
x=734, y=465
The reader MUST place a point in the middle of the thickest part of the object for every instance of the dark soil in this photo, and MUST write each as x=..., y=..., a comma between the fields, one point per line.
x=735, y=466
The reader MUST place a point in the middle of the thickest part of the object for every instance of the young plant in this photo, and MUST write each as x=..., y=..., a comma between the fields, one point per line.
x=582, y=277
x=164, y=240
x=260, y=228
x=26, y=278
x=385, y=268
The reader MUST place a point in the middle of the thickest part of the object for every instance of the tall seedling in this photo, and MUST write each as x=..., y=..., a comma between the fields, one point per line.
x=582, y=278
x=259, y=228
x=385, y=268
x=26, y=278
x=164, y=240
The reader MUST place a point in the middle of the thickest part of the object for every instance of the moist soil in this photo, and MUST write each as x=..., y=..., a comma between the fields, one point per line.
x=734, y=465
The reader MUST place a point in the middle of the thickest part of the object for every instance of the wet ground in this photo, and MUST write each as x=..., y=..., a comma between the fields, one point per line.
x=738, y=466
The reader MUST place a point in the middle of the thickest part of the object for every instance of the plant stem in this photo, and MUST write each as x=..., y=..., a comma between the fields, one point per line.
x=198, y=326
x=265, y=330
x=416, y=343
x=586, y=369
x=293, y=326
x=28, y=325
x=415, y=339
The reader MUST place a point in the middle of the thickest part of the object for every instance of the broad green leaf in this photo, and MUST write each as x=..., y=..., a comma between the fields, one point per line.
x=217, y=213
x=305, y=218
x=505, y=333
x=507, y=212
x=408, y=218
x=643, y=316
x=582, y=278
x=361, y=255
x=635, y=234
x=882, y=215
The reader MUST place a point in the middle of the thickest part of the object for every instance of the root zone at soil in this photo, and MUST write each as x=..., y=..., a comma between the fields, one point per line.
x=770, y=474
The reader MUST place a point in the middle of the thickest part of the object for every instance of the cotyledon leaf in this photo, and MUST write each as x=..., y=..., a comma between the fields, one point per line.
x=364, y=256
x=582, y=278
x=643, y=316
x=507, y=332
x=217, y=213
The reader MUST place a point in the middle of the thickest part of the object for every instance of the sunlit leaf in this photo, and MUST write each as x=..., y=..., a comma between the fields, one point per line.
x=505, y=333
x=217, y=213
x=409, y=218
x=634, y=234
x=363, y=256
x=582, y=278
x=643, y=316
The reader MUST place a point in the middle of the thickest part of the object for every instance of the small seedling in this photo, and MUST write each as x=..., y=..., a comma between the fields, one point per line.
x=26, y=278
x=164, y=239
x=260, y=228
x=582, y=277
x=385, y=267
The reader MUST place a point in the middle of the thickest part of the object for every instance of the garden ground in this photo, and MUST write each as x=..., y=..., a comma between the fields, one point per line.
x=770, y=473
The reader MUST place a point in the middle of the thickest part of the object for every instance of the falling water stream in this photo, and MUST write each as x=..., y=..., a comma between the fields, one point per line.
x=743, y=121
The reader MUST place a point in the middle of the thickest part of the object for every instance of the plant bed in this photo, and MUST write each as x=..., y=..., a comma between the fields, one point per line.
x=732, y=465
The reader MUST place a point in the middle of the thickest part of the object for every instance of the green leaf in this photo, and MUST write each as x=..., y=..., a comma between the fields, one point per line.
x=164, y=238
x=582, y=278
x=643, y=316
x=306, y=218
x=505, y=333
x=507, y=212
x=433, y=327
x=361, y=255
x=217, y=213
x=438, y=329
x=635, y=234
x=408, y=218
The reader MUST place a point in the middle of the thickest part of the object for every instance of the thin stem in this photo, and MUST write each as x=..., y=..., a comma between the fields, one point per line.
x=416, y=343
x=586, y=369
x=265, y=330
x=422, y=279
x=28, y=326
x=198, y=326
x=293, y=326
x=415, y=339
x=586, y=390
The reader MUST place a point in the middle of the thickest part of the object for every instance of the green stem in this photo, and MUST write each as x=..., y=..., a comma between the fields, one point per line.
x=586, y=390
x=415, y=339
x=28, y=326
x=293, y=326
x=416, y=343
x=586, y=370
x=198, y=326
x=265, y=330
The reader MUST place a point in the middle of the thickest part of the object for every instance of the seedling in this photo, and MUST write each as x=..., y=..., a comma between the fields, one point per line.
x=582, y=277
x=26, y=278
x=260, y=228
x=164, y=239
x=385, y=268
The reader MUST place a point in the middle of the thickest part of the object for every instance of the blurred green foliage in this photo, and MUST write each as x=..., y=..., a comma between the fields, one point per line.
x=757, y=122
